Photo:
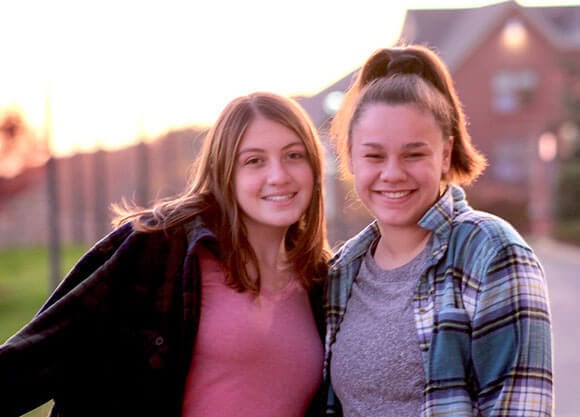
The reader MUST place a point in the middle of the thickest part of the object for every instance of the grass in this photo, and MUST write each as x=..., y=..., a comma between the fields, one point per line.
x=24, y=285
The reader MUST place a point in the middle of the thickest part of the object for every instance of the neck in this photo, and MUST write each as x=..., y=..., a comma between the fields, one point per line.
x=397, y=247
x=272, y=258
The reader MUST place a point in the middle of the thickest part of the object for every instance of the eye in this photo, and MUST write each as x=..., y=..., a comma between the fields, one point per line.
x=421, y=154
x=373, y=156
x=253, y=160
x=296, y=155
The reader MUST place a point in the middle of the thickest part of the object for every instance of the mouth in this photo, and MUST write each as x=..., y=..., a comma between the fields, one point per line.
x=279, y=197
x=394, y=194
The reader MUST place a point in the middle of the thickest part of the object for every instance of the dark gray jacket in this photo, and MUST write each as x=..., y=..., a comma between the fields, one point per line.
x=117, y=335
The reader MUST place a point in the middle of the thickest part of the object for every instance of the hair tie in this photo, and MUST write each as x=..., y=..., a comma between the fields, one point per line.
x=406, y=64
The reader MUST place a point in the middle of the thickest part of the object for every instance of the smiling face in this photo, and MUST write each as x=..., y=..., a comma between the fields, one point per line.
x=273, y=179
x=398, y=156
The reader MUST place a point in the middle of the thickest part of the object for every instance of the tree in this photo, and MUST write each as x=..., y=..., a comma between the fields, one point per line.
x=19, y=146
x=19, y=150
x=568, y=191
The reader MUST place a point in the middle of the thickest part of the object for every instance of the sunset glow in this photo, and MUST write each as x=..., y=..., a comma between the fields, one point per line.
x=115, y=72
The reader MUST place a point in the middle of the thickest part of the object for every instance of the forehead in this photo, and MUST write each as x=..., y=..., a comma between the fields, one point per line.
x=266, y=133
x=381, y=120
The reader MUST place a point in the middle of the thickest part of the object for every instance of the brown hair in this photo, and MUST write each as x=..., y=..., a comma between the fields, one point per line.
x=210, y=193
x=416, y=75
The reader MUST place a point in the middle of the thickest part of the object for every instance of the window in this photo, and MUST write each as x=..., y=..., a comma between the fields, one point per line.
x=509, y=162
x=514, y=34
x=512, y=90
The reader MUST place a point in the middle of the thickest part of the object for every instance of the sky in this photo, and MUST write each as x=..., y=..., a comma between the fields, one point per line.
x=107, y=73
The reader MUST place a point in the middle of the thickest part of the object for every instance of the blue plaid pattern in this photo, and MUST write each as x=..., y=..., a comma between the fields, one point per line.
x=481, y=310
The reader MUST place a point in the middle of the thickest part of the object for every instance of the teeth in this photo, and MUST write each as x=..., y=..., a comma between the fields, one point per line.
x=396, y=194
x=279, y=197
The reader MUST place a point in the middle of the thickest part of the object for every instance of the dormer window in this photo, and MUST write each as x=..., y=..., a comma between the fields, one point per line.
x=512, y=90
x=514, y=34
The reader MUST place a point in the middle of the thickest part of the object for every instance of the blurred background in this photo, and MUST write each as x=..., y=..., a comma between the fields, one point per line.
x=106, y=100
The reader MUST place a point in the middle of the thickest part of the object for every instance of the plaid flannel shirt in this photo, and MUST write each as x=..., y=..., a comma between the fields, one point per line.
x=481, y=312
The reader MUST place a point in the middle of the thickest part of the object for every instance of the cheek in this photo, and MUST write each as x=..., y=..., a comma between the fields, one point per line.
x=304, y=173
x=356, y=167
x=244, y=184
x=363, y=177
x=308, y=181
x=365, y=171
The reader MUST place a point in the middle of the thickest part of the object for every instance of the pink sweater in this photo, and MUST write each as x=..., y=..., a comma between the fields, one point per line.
x=253, y=357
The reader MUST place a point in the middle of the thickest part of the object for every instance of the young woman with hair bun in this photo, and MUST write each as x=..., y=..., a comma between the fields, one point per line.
x=434, y=309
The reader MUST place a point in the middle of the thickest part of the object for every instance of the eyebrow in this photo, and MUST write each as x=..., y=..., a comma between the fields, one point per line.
x=290, y=145
x=410, y=145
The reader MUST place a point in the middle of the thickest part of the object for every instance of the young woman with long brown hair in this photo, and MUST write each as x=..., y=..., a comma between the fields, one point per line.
x=207, y=304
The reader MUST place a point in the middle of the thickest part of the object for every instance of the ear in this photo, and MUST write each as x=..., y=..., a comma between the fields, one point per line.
x=447, y=152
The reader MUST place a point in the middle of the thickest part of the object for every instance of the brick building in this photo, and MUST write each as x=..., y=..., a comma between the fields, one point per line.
x=511, y=65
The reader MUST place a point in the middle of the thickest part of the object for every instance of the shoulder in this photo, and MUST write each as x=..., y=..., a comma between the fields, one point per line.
x=187, y=234
x=356, y=246
x=454, y=219
x=486, y=228
x=479, y=239
x=126, y=247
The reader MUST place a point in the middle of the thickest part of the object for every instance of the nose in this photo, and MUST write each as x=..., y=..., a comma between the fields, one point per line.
x=392, y=171
x=278, y=173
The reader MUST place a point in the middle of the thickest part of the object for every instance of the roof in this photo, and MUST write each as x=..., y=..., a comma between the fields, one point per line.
x=455, y=33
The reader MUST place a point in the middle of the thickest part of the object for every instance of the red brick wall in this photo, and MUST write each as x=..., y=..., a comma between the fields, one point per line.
x=516, y=132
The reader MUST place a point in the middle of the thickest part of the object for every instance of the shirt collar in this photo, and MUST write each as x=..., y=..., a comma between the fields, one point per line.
x=438, y=219
x=356, y=246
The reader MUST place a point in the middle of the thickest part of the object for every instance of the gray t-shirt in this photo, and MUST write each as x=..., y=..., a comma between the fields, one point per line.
x=376, y=368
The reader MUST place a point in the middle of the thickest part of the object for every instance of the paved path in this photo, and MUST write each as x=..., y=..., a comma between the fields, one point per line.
x=562, y=266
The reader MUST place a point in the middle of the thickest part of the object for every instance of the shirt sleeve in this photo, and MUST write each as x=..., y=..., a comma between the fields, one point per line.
x=512, y=337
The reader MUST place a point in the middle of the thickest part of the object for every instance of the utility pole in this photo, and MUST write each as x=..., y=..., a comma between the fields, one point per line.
x=143, y=176
x=79, y=201
x=142, y=167
x=101, y=193
x=53, y=220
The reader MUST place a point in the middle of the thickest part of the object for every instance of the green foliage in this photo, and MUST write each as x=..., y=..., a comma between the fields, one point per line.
x=567, y=204
x=568, y=191
x=567, y=227
x=24, y=285
x=568, y=231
